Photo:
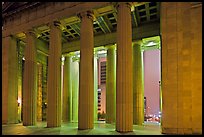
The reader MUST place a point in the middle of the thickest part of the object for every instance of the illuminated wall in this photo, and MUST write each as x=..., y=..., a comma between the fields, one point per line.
x=181, y=32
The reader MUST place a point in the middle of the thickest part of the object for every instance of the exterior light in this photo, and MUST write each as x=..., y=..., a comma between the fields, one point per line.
x=151, y=43
x=19, y=101
x=23, y=58
x=102, y=52
x=63, y=58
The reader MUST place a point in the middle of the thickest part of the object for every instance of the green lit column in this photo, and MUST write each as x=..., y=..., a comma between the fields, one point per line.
x=44, y=91
x=124, y=94
x=111, y=85
x=39, y=92
x=30, y=82
x=9, y=80
x=95, y=87
x=75, y=89
x=67, y=90
x=86, y=76
x=54, y=105
x=138, y=85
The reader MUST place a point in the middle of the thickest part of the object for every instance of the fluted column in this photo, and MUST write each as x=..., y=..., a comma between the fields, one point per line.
x=95, y=87
x=124, y=99
x=138, y=85
x=111, y=85
x=75, y=89
x=44, y=91
x=54, y=112
x=39, y=92
x=9, y=80
x=30, y=81
x=67, y=90
x=86, y=77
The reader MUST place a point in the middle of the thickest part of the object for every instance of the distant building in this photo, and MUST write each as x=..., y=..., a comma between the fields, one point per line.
x=102, y=85
x=145, y=105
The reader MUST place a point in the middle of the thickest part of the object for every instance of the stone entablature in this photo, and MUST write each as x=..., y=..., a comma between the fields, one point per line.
x=45, y=13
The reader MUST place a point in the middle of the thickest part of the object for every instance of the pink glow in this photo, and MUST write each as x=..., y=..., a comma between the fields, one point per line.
x=152, y=75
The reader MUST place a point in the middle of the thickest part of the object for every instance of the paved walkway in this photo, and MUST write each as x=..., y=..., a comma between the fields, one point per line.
x=100, y=128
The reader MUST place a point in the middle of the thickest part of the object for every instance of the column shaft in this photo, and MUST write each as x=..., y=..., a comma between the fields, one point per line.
x=30, y=82
x=67, y=91
x=9, y=80
x=54, y=112
x=124, y=94
x=75, y=90
x=44, y=92
x=111, y=85
x=39, y=92
x=138, y=86
x=86, y=77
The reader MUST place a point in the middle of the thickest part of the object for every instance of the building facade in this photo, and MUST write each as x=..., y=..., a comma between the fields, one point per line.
x=36, y=36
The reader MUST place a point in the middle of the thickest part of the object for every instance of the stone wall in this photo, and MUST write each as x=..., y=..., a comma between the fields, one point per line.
x=181, y=32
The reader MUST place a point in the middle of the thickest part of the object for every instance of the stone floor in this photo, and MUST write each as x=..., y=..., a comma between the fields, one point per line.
x=100, y=128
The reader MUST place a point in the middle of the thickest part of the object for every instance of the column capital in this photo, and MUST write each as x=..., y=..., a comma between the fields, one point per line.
x=32, y=33
x=111, y=47
x=70, y=54
x=95, y=54
x=128, y=4
x=56, y=24
x=96, y=51
x=67, y=56
x=138, y=42
x=88, y=13
x=10, y=36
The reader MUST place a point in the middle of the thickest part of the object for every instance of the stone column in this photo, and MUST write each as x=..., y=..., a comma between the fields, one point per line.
x=9, y=80
x=75, y=89
x=86, y=77
x=67, y=90
x=124, y=94
x=44, y=91
x=111, y=85
x=39, y=92
x=30, y=81
x=95, y=87
x=138, y=85
x=54, y=112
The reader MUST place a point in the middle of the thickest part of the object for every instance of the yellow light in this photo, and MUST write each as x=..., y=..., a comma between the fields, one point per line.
x=19, y=101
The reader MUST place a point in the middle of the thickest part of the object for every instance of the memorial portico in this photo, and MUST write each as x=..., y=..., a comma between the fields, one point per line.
x=52, y=31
